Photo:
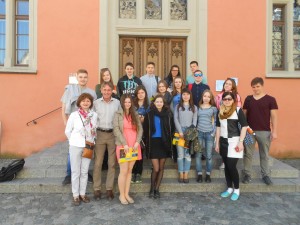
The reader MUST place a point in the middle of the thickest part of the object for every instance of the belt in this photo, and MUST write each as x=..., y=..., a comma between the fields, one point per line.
x=105, y=130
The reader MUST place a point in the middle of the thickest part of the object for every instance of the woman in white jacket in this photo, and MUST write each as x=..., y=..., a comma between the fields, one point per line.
x=81, y=127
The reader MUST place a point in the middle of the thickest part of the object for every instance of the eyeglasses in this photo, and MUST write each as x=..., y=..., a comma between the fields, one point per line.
x=227, y=99
x=198, y=74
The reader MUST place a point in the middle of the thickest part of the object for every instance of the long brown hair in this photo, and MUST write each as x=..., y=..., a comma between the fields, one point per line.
x=170, y=73
x=161, y=82
x=175, y=92
x=152, y=106
x=225, y=113
x=131, y=113
x=234, y=87
x=191, y=103
x=136, y=100
x=212, y=98
x=102, y=71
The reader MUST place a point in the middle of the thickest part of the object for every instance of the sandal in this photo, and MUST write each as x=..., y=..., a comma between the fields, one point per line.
x=123, y=202
x=130, y=200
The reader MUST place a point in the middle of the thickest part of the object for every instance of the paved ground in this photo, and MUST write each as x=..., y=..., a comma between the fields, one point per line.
x=172, y=208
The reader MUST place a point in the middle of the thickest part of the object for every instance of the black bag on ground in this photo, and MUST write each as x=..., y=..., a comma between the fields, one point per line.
x=10, y=172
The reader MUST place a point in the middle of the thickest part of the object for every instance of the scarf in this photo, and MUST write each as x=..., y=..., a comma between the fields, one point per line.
x=164, y=116
x=226, y=112
x=162, y=113
x=88, y=130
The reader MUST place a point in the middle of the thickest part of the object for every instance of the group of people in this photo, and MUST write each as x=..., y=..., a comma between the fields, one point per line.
x=142, y=115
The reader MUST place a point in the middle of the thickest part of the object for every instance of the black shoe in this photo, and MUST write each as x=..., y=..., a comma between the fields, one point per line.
x=156, y=194
x=133, y=178
x=203, y=157
x=199, y=179
x=186, y=181
x=207, y=179
x=267, y=180
x=67, y=180
x=90, y=178
x=151, y=193
x=246, y=179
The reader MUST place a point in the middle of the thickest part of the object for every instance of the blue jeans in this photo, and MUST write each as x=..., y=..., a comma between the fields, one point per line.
x=69, y=165
x=207, y=141
x=184, y=159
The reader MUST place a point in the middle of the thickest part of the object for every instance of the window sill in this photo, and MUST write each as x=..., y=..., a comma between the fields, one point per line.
x=21, y=70
x=283, y=74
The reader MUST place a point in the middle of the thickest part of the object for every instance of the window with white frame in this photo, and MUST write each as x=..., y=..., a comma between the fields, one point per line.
x=283, y=38
x=18, y=36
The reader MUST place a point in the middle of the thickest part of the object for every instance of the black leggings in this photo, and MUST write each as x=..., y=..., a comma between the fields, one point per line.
x=157, y=172
x=231, y=172
x=138, y=167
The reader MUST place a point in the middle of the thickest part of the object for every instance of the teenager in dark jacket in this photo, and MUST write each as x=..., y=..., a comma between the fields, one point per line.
x=128, y=83
x=158, y=131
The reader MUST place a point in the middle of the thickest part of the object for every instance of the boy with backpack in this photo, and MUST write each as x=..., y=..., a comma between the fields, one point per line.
x=150, y=80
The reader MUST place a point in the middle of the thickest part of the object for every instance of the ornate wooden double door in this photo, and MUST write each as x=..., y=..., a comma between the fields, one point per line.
x=163, y=51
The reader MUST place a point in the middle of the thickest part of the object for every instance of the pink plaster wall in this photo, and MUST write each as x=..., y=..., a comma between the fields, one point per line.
x=68, y=39
x=237, y=48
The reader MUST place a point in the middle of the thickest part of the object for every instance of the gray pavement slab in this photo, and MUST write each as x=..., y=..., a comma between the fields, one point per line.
x=172, y=208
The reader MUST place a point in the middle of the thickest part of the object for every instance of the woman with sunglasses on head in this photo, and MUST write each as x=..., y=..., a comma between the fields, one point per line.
x=162, y=87
x=128, y=133
x=105, y=76
x=229, y=141
x=158, y=131
x=228, y=86
x=81, y=127
x=174, y=72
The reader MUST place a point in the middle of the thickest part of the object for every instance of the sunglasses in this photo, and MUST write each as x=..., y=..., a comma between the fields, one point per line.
x=227, y=99
x=198, y=74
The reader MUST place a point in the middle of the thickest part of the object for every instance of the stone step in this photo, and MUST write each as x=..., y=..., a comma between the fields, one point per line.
x=43, y=173
x=279, y=170
x=53, y=185
x=57, y=155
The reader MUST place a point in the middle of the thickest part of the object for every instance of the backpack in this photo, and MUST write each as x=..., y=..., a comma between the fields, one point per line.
x=156, y=78
x=10, y=172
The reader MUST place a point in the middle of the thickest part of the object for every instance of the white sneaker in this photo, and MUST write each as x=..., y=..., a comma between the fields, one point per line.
x=222, y=167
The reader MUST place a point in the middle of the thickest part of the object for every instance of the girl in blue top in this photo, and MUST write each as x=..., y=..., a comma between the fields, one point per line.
x=178, y=85
x=206, y=127
x=142, y=107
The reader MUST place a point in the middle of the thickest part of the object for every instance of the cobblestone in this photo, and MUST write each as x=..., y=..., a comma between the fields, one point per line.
x=172, y=208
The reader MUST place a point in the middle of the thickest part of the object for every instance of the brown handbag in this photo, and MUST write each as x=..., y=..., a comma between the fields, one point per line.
x=89, y=146
x=88, y=150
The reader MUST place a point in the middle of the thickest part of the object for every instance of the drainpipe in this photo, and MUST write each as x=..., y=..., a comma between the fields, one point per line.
x=0, y=136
